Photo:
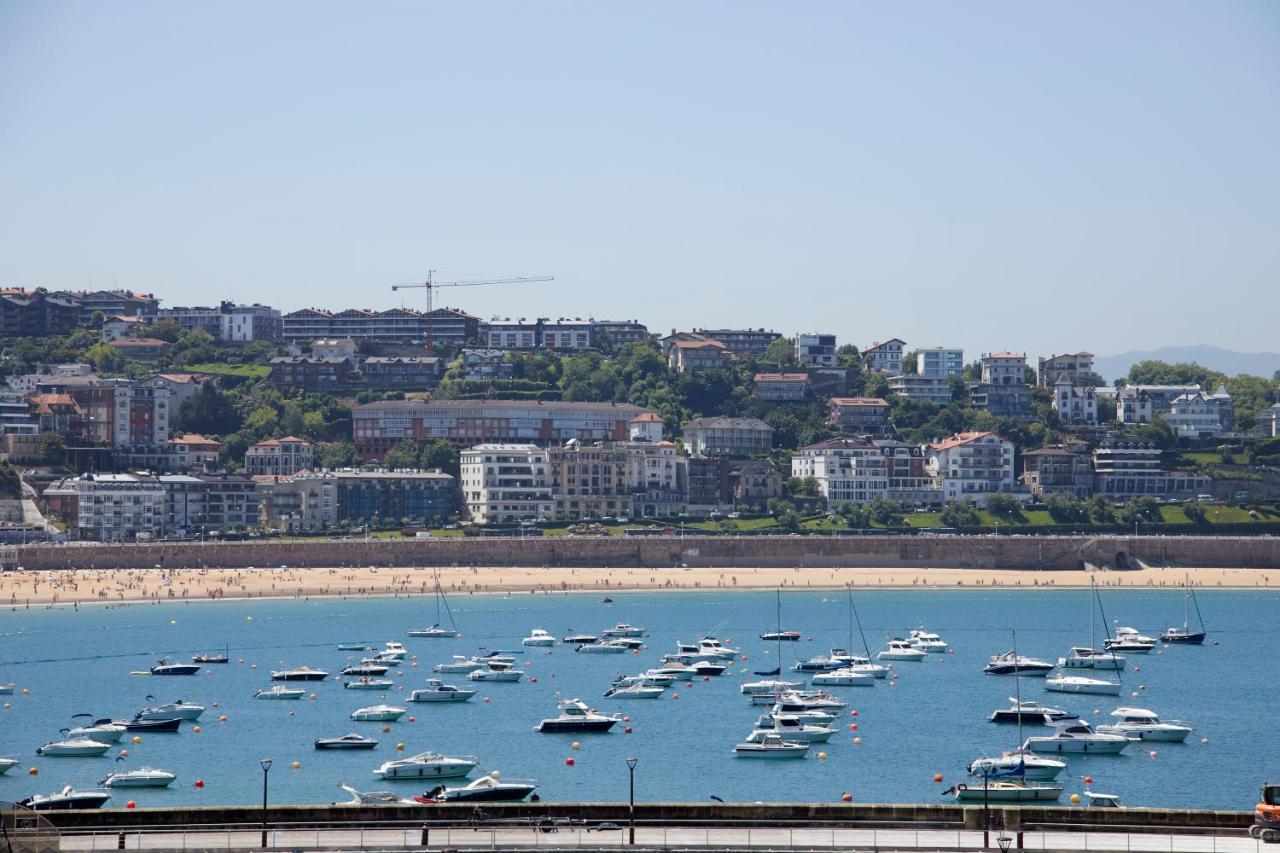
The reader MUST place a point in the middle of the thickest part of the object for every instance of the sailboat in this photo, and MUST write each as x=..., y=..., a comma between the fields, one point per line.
x=777, y=635
x=437, y=631
x=1062, y=683
x=854, y=669
x=1012, y=770
x=1185, y=634
x=1091, y=657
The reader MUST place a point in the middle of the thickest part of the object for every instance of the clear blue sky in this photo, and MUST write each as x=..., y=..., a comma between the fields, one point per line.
x=1026, y=176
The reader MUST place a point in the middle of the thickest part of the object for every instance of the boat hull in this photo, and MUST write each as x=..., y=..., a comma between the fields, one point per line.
x=591, y=726
x=148, y=781
x=743, y=750
x=170, y=725
x=1098, y=688
x=1008, y=794
x=512, y=793
x=434, y=696
x=337, y=743
x=1074, y=746
x=434, y=770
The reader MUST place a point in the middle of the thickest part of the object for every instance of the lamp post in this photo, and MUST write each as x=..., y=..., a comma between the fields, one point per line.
x=631, y=812
x=266, y=767
x=1005, y=843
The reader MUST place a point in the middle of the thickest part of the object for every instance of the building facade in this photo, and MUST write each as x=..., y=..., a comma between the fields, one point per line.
x=281, y=457
x=940, y=362
x=931, y=389
x=589, y=480
x=815, y=350
x=1123, y=470
x=971, y=466
x=1076, y=368
x=884, y=357
x=860, y=415
x=507, y=484
x=721, y=436
x=782, y=387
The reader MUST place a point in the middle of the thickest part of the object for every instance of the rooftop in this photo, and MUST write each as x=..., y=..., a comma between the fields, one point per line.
x=958, y=439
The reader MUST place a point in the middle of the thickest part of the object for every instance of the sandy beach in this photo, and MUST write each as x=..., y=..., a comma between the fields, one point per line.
x=90, y=586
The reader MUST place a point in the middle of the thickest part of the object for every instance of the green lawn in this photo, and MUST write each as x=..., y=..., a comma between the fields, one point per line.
x=246, y=371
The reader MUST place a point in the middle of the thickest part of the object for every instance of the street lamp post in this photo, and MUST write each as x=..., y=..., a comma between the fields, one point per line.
x=266, y=767
x=631, y=812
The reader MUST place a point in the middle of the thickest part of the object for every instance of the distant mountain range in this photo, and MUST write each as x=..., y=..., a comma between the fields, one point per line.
x=1230, y=362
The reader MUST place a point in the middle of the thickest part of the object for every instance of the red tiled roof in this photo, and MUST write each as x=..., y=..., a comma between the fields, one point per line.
x=647, y=418
x=192, y=438
x=1007, y=355
x=782, y=377
x=959, y=439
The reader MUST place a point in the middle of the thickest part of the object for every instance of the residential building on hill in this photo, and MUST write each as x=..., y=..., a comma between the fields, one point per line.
x=507, y=483
x=1123, y=470
x=722, y=436
x=753, y=482
x=860, y=415
x=782, y=387
x=1076, y=405
x=939, y=362
x=619, y=332
x=1201, y=416
x=589, y=480
x=279, y=456
x=691, y=356
x=931, y=389
x=971, y=466
x=35, y=314
x=229, y=322
x=541, y=333
x=1002, y=401
x=846, y=469
x=141, y=349
x=309, y=374
x=481, y=364
x=884, y=357
x=815, y=350
x=1004, y=368
x=396, y=325
x=400, y=371
x=747, y=343
x=1058, y=471
x=112, y=302
x=392, y=497
x=1076, y=367
x=109, y=507
x=1139, y=404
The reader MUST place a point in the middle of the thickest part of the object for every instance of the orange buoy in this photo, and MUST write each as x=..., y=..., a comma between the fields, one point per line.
x=222, y=719
x=34, y=771
x=295, y=765
x=533, y=679
x=195, y=730
x=575, y=745
x=937, y=777
x=1088, y=780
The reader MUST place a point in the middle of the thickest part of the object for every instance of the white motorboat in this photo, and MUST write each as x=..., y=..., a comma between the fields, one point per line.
x=143, y=777
x=302, y=673
x=168, y=667
x=7, y=688
x=354, y=647
x=769, y=687
x=434, y=632
x=366, y=668
x=1004, y=791
x=579, y=639
x=1130, y=640
x=575, y=716
x=1083, y=657
x=279, y=691
x=644, y=679
x=188, y=711
x=103, y=731
x=1146, y=725
x=489, y=788
x=1077, y=736
x=1014, y=664
x=899, y=649
x=353, y=740
x=67, y=798
x=378, y=714
x=819, y=663
x=622, y=629
x=426, y=765
x=791, y=728
x=73, y=748
x=437, y=691
x=438, y=631
x=634, y=691
x=711, y=646
x=1095, y=800
x=861, y=663
x=846, y=676
x=927, y=641
x=604, y=647
x=502, y=672
x=6, y=763
x=374, y=798
x=813, y=700
x=1061, y=683
x=366, y=682
x=1020, y=763
x=1029, y=713
x=460, y=664
x=384, y=658
x=538, y=637
x=771, y=745
x=393, y=649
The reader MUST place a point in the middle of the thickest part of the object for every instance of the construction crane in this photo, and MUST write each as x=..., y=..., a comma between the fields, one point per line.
x=431, y=284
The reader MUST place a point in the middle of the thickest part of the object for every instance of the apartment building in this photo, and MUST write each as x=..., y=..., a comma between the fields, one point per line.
x=782, y=387
x=815, y=350
x=619, y=332
x=228, y=322
x=301, y=503
x=484, y=364
x=846, y=469
x=140, y=349
x=745, y=343
x=395, y=325
x=1002, y=401
x=971, y=466
x=1201, y=416
x=109, y=507
x=35, y=314
x=279, y=456
x=1123, y=469
x=1139, y=404
x=939, y=362
x=392, y=497
x=1004, y=368
x=692, y=356
x=1075, y=405
x=721, y=436
x=109, y=303
x=507, y=483
x=930, y=389
x=377, y=427
x=884, y=356
x=308, y=373
x=860, y=415
x=753, y=482
x=1058, y=471
x=400, y=372
x=657, y=477
x=1076, y=367
x=541, y=333
x=188, y=452
x=589, y=480
x=909, y=482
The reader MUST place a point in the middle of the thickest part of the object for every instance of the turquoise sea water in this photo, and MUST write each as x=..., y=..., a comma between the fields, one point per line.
x=933, y=721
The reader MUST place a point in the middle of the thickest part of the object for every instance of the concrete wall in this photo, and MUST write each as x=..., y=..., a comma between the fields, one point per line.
x=1015, y=552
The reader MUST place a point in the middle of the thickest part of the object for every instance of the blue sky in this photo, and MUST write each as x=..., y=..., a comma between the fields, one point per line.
x=1027, y=176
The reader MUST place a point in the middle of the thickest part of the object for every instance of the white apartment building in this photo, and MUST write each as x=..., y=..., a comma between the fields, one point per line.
x=932, y=389
x=1138, y=404
x=279, y=456
x=884, y=356
x=1075, y=404
x=815, y=350
x=507, y=483
x=1004, y=368
x=940, y=361
x=846, y=469
x=1198, y=415
x=971, y=466
x=109, y=507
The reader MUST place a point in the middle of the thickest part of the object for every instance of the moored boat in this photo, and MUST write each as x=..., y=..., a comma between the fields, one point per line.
x=73, y=748
x=575, y=716
x=437, y=691
x=490, y=788
x=426, y=765
x=771, y=746
x=1080, y=684
x=378, y=714
x=353, y=740
x=67, y=798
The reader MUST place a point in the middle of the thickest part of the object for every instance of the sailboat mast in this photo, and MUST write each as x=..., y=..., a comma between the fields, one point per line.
x=1017, y=687
x=1186, y=605
x=1092, y=631
x=778, y=631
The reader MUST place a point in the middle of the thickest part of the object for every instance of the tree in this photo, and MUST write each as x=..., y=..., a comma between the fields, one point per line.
x=857, y=516
x=53, y=450
x=959, y=514
x=403, y=455
x=781, y=351
x=337, y=454
x=886, y=513
x=1143, y=509
x=105, y=359
x=910, y=361
x=1195, y=513
x=1005, y=506
x=1101, y=511
x=1067, y=510
x=208, y=412
x=1153, y=372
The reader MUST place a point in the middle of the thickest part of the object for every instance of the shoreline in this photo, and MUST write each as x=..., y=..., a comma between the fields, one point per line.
x=19, y=590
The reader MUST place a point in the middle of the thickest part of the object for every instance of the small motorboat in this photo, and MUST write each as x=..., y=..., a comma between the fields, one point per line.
x=384, y=658
x=143, y=777
x=426, y=765
x=579, y=639
x=1077, y=736
x=1095, y=800
x=1029, y=713
x=1144, y=724
x=1020, y=763
x=103, y=731
x=1129, y=640
x=503, y=672
x=437, y=691
x=1011, y=664
x=634, y=691
x=538, y=637
x=1080, y=684
x=791, y=728
x=349, y=741
x=575, y=716
x=167, y=667
x=813, y=700
x=7, y=688
x=73, y=748
x=354, y=647
x=709, y=648
x=781, y=636
x=188, y=711
x=899, y=649
x=771, y=745
x=223, y=656
x=172, y=724
x=394, y=648
x=698, y=667
x=489, y=788
x=373, y=798
x=279, y=691
x=366, y=682
x=378, y=714
x=6, y=763
x=927, y=641
x=604, y=647
x=363, y=668
x=435, y=632
x=622, y=629
x=860, y=663
x=769, y=687
x=845, y=676
x=818, y=663
x=67, y=798
x=302, y=673
x=1006, y=791
x=1083, y=657
x=459, y=664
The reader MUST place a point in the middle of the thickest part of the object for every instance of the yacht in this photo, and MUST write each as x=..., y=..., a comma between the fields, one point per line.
x=393, y=649
x=279, y=691
x=365, y=682
x=657, y=677
x=167, y=667
x=7, y=688
x=711, y=646
x=899, y=649
x=302, y=673
x=354, y=647
x=437, y=691
x=6, y=763
x=366, y=668
x=538, y=637
x=73, y=748
x=771, y=745
x=373, y=798
x=769, y=687
x=1029, y=713
x=1011, y=664
x=385, y=658
x=811, y=716
x=622, y=629
x=426, y=765
x=927, y=641
x=575, y=716
x=459, y=664
x=1083, y=657
x=103, y=731
x=781, y=636
x=1005, y=791
x=1077, y=736
x=437, y=631
x=845, y=676
x=136, y=725
x=143, y=777
x=1021, y=763
x=644, y=679
x=1080, y=684
x=223, y=656
x=1185, y=635
x=603, y=647
x=790, y=728
x=579, y=639
x=1145, y=725
x=378, y=714
x=861, y=663
x=496, y=672
x=67, y=798
x=349, y=741
x=1129, y=640
x=813, y=700
x=188, y=711
x=489, y=788
x=635, y=690
x=819, y=663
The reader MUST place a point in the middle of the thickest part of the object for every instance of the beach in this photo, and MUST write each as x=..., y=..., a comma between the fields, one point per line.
x=116, y=586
